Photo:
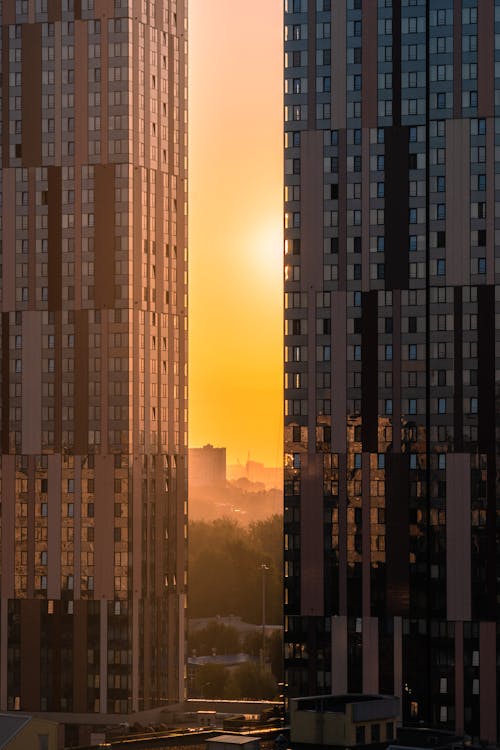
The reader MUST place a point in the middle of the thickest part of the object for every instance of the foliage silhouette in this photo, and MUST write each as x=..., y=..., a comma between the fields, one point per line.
x=225, y=575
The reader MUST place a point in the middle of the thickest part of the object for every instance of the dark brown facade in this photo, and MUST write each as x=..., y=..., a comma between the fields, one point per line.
x=391, y=355
x=93, y=354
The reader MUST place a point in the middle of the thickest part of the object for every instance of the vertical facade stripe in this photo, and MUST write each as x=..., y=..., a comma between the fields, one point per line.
x=104, y=176
x=485, y=59
x=458, y=202
x=31, y=98
x=458, y=537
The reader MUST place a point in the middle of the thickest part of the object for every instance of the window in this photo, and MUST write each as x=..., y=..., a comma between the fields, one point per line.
x=441, y=264
x=469, y=15
x=360, y=735
x=375, y=732
x=441, y=406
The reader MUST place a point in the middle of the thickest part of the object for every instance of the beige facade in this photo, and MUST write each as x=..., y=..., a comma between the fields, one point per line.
x=93, y=304
x=343, y=720
x=21, y=732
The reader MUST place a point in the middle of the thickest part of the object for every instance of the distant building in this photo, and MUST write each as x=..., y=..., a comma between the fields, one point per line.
x=270, y=477
x=343, y=720
x=207, y=466
x=232, y=621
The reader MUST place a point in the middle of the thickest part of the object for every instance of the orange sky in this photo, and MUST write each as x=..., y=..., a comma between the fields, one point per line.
x=235, y=224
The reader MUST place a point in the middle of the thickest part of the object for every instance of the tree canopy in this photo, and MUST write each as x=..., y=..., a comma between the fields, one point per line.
x=225, y=569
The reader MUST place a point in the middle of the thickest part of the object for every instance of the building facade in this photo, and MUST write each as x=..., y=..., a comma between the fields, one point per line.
x=207, y=466
x=93, y=354
x=392, y=242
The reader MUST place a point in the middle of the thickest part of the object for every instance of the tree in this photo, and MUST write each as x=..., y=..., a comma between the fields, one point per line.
x=252, y=643
x=225, y=575
x=275, y=654
x=215, y=637
x=210, y=681
x=250, y=682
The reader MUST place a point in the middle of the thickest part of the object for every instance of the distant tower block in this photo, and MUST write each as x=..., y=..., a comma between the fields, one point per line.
x=207, y=466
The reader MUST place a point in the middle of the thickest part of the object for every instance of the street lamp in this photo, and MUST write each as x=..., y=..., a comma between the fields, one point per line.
x=264, y=568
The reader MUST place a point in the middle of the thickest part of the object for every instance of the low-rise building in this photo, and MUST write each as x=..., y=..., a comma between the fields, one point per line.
x=232, y=742
x=21, y=731
x=344, y=720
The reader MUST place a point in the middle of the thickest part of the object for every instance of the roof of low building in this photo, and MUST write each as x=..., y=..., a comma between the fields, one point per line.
x=10, y=725
x=233, y=739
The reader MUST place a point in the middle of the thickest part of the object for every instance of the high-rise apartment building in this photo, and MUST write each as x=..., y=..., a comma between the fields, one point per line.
x=93, y=353
x=392, y=247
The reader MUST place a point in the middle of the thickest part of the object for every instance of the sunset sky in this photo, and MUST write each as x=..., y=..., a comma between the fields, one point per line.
x=235, y=224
